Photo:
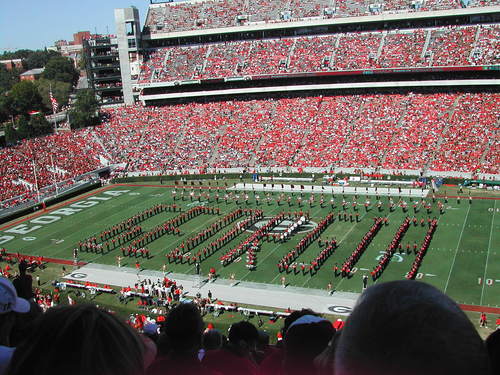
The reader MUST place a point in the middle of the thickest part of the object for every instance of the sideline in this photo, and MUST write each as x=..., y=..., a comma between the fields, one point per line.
x=56, y=207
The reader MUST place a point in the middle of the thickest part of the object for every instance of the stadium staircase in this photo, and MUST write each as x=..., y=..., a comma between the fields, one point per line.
x=426, y=44
x=205, y=61
x=215, y=151
x=351, y=126
x=473, y=49
x=312, y=121
x=332, y=57
x=290, y=54
x=266, y=124
x=394, y=135
x=381, y=46
x=440, y=141
x=486, y=151
x=98, y=140
x=179, y=139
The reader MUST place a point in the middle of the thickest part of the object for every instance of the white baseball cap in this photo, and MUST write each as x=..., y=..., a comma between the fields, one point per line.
x=9, y=301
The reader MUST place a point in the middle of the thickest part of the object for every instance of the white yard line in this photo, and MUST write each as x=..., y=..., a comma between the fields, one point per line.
x=204, y=224
x=341, y=240
x=456, y=250
x=488, y=255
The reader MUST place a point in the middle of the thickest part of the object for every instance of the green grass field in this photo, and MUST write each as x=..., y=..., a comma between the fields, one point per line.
x=463, y=259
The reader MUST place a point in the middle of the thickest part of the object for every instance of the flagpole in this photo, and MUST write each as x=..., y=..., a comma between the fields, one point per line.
x=53, y=107
x=54, y=174
x=36, y=182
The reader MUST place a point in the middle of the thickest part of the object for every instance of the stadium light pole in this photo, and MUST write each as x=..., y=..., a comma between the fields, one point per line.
x=36, y=182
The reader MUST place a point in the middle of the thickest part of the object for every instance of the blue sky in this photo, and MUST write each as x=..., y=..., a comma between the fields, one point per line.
x=37, y=24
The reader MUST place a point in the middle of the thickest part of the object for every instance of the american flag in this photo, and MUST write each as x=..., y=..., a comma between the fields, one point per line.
x=53, y=101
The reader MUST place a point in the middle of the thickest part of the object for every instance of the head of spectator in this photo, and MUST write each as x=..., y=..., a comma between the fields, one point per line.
x=493, y=346
x=294, y=315
x=408, y=328
x=324, y=362
x=212, y=339
x=10, y=304
x=23, y=282
x=182, y=330
x=151, y=330
x=99, y=344
x=243, y=337
x=305, y=339
x=262, y=349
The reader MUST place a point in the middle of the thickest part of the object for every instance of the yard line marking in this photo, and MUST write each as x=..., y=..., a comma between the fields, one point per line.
x=318, y=210
x=159, y=253
x=343, y=238
x=456, y=250
x=488, y=254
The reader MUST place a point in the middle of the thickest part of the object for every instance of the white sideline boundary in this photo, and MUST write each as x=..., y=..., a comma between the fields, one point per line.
x=259, y=294
x=316, y=189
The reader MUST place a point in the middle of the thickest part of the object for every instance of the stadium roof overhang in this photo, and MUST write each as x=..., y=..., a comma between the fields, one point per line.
x=325, y=87
x=267, y=26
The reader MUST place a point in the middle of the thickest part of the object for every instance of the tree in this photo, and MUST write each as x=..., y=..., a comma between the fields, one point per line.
x=11, y=136
x=84, y=112
x=82, y=63
x=39, y=125
x=38, y=59
x=5, y=107
x=60, y=91
x=8, y=78
x=61, y=69
x=24, y=97
x=23, y=127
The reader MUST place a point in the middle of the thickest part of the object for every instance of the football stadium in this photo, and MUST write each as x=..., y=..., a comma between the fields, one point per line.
x=272, y=187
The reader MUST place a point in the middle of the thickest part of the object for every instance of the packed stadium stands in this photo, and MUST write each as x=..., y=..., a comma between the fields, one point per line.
x=54, y=158
x=442, y=132
x=437, y=47
x=175, y=17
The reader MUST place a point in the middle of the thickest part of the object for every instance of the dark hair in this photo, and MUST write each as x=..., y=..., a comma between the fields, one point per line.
x=493, y=346
x=243, y=331
x=409, y=327
x=303, y=342
x=79, y=340
x=212, y=340
x=183, y=328
x=294, y=316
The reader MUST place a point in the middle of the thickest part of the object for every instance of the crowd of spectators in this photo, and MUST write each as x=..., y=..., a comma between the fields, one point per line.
x=395, y=328
x=442, y=131
x=39, y=162
x=443, y=46
x=210, y=14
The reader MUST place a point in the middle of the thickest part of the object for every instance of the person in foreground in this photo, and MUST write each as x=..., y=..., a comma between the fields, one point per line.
x=80, y=340
x=409, y=328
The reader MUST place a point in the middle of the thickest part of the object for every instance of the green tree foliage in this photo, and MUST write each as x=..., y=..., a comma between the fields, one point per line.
x=38, y=59
x=82, y=63
x=24, y=97
x=60, y=91
x=29, y=127
x=11, y=136
x=39, y=125
x=5, y=107
x=8, y=78
x=61, y=69
x=23, y=127
x=84, y=112
x=31, y=59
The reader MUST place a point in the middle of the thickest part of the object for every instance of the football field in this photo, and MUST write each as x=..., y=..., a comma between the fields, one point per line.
x=463, y=257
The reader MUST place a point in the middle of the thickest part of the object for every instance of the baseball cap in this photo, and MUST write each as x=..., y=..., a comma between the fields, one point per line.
x=9, y=301
x=307, y=319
